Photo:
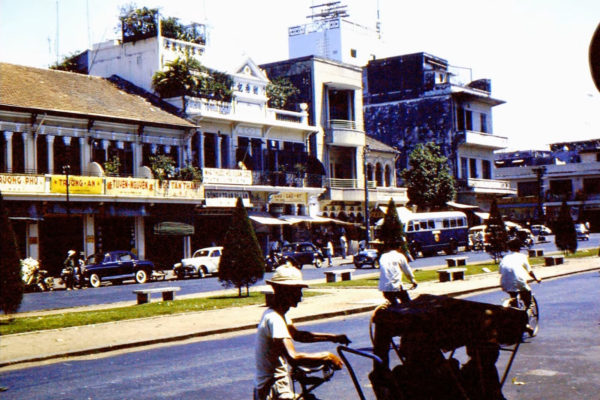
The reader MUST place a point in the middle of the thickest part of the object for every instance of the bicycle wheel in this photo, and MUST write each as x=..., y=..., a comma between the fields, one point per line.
x=534, y=316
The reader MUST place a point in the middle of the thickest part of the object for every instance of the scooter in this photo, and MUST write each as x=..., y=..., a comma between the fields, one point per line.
x=34, y=278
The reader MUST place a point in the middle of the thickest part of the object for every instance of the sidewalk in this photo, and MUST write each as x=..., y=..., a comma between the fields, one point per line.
x=76, y=341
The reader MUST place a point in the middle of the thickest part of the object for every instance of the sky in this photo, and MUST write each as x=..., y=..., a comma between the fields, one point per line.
x=534, y=51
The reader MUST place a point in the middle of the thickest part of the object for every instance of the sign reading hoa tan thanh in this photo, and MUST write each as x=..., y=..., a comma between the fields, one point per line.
x=22, y=183
x=289, y=198
x=186, y=189
x=230, y=176
x=130, y=186
x=77, y=184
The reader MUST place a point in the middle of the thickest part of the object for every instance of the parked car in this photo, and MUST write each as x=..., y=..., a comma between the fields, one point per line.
x=202, y=263
x=582, y=232
x=540, y=230
x=115, y=267
x=303, y=253
x=367, y=257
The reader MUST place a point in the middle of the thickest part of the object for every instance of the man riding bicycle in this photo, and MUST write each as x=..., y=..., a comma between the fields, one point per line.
x=515, y=270
x=274, y=345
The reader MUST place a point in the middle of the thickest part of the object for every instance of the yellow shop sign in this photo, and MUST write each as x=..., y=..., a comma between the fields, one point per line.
x=77, y=184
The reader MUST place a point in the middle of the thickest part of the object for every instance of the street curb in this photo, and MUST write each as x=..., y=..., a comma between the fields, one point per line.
x=307, y=318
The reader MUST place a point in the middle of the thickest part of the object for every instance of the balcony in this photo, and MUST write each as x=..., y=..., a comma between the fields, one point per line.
x=493, y=186
x=484, y=140
x=353, y=190
x=344, y=133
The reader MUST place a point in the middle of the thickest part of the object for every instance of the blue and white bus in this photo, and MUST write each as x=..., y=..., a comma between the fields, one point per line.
x=430, y=232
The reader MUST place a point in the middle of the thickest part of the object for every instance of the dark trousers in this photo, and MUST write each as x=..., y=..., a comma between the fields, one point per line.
x=393, y=297
x=525, y=296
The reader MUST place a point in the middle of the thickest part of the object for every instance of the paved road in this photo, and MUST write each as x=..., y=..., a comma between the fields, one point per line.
x=561, y=363
x=118, y=293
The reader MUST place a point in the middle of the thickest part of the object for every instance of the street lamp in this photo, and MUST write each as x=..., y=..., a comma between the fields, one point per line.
x=540, y=171
x=66, y=170
x=366, y=150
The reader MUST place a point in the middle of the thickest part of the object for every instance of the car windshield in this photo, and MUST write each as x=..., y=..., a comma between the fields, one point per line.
x=201, y=253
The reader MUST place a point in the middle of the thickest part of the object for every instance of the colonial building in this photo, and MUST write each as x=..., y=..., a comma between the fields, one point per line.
x=419, y=98
x=59, y=130
x=333, y=94
x=544, y=179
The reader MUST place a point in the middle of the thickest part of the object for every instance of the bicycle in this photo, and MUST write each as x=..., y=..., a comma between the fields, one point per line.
x=310, y=378
x=533, y=313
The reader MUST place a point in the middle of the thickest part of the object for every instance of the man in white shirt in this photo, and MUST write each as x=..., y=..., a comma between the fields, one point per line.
x=515, y=270
x=392, y=265
x=274, y=345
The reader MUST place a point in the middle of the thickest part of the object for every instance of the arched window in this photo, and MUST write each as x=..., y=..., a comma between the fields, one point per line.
x=369, y=172
x=388, y=175
x=379, y=174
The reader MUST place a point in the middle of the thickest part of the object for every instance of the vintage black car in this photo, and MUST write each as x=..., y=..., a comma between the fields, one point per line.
x=367, y=257
x=303, y=253
x=115, y=267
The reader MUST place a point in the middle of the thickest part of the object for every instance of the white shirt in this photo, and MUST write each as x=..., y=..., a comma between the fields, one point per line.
x=270, y=363
x=392, y=265
x=514, y=270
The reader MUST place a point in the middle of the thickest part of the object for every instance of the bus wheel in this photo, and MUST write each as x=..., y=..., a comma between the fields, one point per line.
x=415, y=249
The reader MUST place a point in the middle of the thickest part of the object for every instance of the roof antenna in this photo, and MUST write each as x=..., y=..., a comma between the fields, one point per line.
x=57, y=32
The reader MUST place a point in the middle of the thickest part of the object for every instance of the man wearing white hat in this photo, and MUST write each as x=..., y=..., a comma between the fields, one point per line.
x=274, y=345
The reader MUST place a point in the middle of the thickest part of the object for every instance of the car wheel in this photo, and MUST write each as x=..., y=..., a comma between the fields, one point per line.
x=201, y=272
x=357, y=266
x=180, y=274
x=141, y=276
x=318, y=263
x=95, y=280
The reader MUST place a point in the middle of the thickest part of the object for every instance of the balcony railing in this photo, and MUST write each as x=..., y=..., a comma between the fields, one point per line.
x=289, y=179
x=488, y=185
x=343, y=124
x=338, y=183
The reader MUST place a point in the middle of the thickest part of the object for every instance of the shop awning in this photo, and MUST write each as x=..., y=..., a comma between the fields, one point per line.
x=169, y=228
x=461, y=206
x=266, y=219
x=296, y=219
x=482, y=215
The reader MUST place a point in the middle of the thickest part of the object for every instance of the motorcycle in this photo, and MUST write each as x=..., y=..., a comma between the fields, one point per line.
x=34, y=278
x=272, y=262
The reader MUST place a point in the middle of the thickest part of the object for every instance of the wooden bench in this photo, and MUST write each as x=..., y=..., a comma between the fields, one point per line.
x=553, y=260
x=536, y=252
x=456, y=261
x=168, y=293
x=451, y=274
x=344, y=274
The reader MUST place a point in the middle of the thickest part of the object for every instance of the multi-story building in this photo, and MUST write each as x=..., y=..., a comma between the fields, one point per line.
x=419, y=98
x=544, y=179
x=59, y=129
x=331, y=35
x=333, y=94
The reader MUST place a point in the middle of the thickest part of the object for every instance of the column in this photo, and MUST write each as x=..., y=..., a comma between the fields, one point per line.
x=105, y=144
x=89, y=239
x=136, y=149
x=28, y=152
x=180, y=156
x=227, y=145
x=200, y=149
x=218, y=141
x=8, y=154
x=84, y=155
x=50, y=152
x=140, y=238
x=33, y=240
x=187, y=246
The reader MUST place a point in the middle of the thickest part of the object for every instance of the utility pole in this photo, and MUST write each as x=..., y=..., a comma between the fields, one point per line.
x=367, y=227
x=540, y=171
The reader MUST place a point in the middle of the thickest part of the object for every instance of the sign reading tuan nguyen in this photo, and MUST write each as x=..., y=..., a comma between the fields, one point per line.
x=22, y=183
x=77, y=184
x=130, y=187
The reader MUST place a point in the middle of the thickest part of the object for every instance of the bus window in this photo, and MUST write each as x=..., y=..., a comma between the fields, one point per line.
x=409, y=226
x=423, y=225
x=431, y=224
x=453, y=223
x=446, y=223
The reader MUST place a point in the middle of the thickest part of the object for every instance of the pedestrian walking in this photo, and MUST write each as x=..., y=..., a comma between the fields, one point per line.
x=344, y=246
x=329, y=251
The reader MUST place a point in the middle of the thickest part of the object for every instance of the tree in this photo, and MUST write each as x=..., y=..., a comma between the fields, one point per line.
x=279, y=90
x=428, y=181
x=496, y=231
x=11, y=284
x=564, y=230
x=392, y=231
x=242, y=263
x=180, y=78
x=69, y=63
